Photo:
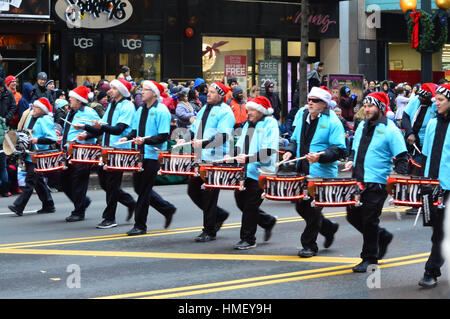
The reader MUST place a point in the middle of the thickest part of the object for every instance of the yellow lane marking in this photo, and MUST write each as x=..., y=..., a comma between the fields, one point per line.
x=154, y=233
x=127, y=254
x=225, y=283
x=250, y=282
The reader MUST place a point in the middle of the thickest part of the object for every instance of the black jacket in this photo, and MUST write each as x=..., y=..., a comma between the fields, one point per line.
x=276, y=104
x=40, y=92
x=7, y=105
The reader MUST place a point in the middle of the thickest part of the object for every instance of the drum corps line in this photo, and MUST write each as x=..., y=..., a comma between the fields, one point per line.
x=250, y=163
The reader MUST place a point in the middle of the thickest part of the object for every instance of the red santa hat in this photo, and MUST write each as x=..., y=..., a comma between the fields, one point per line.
x=44, y=105
x=322, y=93
x=379, y=99
x=427, y=90
x=123, y=86
x=444, y=89
x=157, y=88
x=261, y=104
x=221, y=88
x=9, y=79
x=80, y=93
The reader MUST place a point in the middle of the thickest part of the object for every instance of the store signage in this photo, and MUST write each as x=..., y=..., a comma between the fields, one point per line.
x=93, y=14
x=131, y=44
x=83, y=43
x=269, y=70
x=25, y=9
x=235, y=66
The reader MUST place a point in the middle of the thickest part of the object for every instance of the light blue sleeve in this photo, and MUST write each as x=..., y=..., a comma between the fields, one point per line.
x=241, y=139
x=297, y=120
x=48, y=127
x=163, y=122
x=428, y=142
x=227, y=121
x=337, y=132
x=397, y=141
x=272, y=136
x=126, y=114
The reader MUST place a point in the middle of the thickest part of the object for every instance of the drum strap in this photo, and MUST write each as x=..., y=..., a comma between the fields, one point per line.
x=201, y=129
x=438, y=146
x=32, y=122
x=419, y=118
x=67, y=127
x=142, y=126
x=110, y=116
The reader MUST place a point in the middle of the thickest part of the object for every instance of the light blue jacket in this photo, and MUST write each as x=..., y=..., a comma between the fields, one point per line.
x=43, y=128
x=123, y=113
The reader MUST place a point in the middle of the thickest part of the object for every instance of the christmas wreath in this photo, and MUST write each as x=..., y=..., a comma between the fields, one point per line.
x=421, y=31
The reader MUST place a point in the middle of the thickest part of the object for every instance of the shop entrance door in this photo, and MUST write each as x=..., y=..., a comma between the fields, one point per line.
x=293, y=74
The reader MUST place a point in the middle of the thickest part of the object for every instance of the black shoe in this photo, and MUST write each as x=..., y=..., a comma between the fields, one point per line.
x=220, y=223
x=307, y=253
x=362, y=266
x=136, y=232
x=330, y=238
x=106, y=224
x=74, y=218
x=130, y=213
x=15, y=210
x=428, y=281
x=204, y=237
x=169, y=219
x=46, y=210
x=243, y=245
x=268, y=231
x=383, y=245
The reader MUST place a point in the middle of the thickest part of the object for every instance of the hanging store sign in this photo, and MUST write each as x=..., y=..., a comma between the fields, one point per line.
x=93, y=14
x=25, y=9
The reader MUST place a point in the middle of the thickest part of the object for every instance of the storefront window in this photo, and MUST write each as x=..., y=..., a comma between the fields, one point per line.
x=268, y=63
x=226, y=57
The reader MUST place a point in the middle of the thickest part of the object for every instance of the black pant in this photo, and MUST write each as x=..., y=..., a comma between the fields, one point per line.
x=206, y=200
x=143, y=183
x=36, y=182
x=249, y=201
x=366, y=219
x=435, y=261
x=315, y=223
x=110, y=182
x=74, y=183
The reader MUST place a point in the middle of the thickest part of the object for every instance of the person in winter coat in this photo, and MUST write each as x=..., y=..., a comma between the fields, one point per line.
x=347, y=103
x=26, y=101
x=40, y=90
x=315, y=76
x=273, y=98
x=193, y=99
x=7, y=103
x=238, y=106
x=184, y=112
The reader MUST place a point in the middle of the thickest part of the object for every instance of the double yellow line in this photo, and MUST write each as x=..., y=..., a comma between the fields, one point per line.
x=194, y=290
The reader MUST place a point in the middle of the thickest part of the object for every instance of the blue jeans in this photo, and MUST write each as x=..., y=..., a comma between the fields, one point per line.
x=3, y=174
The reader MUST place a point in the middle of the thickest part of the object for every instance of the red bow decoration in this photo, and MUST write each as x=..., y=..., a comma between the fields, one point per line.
x=415, y=16
x=214, y=48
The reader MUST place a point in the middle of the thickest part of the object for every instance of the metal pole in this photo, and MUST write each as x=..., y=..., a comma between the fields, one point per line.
x=427, y=57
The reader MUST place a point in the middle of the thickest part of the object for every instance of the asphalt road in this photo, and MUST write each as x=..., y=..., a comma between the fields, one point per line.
x=44, y=257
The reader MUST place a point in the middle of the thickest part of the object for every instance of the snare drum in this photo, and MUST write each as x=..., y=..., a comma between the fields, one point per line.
x=177, y=164
x=334, y=192
x=283, y=187
x=122, y=160
x=48, y=161
x=407, y=190
x=85, y=154
x=222, y=176
x=16, y=142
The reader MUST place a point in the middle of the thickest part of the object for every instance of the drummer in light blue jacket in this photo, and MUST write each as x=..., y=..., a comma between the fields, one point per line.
x=319, y=137
x=42, y=128
x=210, y=134
x=257, y=147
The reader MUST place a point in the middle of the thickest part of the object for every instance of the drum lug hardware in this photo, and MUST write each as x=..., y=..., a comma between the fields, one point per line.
x=203, y=187
x=313, y=203
x=263, y=196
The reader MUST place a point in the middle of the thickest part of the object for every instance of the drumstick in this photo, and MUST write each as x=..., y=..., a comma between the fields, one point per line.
x=128, y=141
x=296, y=159
x=86, y=120
x=417, y=149
x=187, y=143
x=231, y=158
x=66, y=121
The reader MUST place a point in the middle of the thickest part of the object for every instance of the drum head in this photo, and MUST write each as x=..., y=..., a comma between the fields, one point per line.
x=10, y=142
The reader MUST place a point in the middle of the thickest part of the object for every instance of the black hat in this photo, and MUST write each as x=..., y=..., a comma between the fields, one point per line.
x=42, y=76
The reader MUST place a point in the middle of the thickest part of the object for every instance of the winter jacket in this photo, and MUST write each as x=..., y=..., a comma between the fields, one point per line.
x=276, y=104
x=184, y=114
x=3, y=130
x=40, y=92
x=240, y=111
x=25, y=102
x=7, y=105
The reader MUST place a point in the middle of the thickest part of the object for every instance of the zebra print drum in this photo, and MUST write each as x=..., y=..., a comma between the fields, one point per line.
x=122, y=160
x=334, y=192
x=283, y=187
x=408, y=190
x=222, y=176
x=177, y=164
x=85, y=154
x=48, y=161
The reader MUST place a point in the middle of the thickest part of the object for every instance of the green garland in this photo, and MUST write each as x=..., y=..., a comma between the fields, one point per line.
x=427, y=32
